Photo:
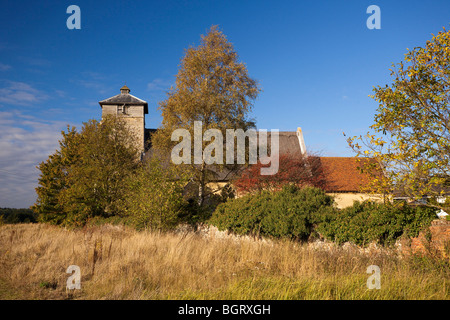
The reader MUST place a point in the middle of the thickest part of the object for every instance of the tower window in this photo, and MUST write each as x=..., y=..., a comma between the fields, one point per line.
x=121, y=109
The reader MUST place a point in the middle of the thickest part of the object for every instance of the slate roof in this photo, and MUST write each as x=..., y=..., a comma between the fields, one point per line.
x=125, y=98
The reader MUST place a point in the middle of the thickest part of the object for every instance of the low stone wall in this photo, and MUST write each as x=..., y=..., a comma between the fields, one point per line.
x=436, y=239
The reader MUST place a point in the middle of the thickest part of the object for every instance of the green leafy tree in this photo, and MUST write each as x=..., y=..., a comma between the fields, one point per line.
x=85, y=178
x=410, y=139
x=154, y=196
x=107, y=155
x=212, y=86
x=53, y=179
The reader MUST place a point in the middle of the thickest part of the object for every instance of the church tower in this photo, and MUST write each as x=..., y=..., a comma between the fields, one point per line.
x=131, y=109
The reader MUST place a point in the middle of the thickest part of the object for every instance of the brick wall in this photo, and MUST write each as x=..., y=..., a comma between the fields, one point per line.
x=436, y=239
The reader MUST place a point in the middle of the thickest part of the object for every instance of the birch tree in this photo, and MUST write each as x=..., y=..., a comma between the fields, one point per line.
x=214, y=87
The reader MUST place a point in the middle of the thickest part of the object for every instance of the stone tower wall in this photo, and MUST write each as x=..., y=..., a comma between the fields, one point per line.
x=134, y=117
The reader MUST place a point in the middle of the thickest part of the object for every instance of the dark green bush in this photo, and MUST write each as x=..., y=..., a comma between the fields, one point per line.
x=368, y=222
x=289, y=213
x=12, y=216
x=300, y=214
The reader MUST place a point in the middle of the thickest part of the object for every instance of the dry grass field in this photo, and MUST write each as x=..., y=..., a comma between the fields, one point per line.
x=120, y=263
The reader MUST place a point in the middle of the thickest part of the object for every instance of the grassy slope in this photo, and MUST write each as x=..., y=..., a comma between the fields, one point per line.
x=118, y=263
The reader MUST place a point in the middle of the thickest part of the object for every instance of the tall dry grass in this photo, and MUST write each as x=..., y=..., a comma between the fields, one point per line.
x=120, y=263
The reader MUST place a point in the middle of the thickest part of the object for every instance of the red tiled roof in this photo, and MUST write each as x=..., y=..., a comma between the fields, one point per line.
x=342, y=174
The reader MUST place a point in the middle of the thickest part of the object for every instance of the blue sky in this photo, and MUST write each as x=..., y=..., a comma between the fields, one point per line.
x=316, y=62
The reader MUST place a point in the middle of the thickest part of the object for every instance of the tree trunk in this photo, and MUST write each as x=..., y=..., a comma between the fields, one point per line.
x=201, y=186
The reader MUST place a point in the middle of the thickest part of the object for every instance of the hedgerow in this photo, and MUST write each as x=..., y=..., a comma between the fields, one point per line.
x=289, y=213
x=306, y=213
x=368, y=221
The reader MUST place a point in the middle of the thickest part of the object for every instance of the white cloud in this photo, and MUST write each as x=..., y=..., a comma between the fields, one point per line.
x=93, y=85
x=93, y=81
x=37, y=62
x=4, y=67
x=20, y=93
x=25, y=141
x=159, y=85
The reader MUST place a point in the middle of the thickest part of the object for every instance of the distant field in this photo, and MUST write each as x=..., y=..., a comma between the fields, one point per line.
x=119, y=263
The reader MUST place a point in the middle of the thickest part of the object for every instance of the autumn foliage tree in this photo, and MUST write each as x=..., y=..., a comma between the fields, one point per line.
x=214, y=87
x=86, y=176
x=301, y=170
x=410, y=138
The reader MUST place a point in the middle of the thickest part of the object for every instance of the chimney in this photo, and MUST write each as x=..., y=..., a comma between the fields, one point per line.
x=301, y=141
